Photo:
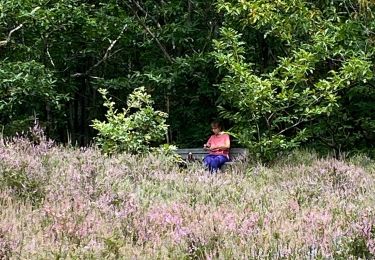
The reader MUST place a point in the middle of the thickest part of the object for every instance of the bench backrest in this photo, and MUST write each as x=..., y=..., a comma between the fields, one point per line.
x=199, y=153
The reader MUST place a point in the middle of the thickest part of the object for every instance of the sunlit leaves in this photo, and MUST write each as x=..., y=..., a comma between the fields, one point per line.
x=322, y=60
x=135, y=128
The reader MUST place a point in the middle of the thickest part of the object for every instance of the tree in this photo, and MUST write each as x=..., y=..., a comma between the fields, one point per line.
x=163, y=46
x=317, y=53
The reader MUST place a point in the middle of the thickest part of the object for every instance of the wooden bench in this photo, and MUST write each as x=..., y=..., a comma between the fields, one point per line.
x=197, y=154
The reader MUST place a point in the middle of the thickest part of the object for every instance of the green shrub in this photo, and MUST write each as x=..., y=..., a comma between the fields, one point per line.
x=135, y=128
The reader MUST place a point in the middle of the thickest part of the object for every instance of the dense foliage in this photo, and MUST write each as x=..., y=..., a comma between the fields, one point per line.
x=114, y=45
x=314, y=84
x=280, y=73
x=134, y=129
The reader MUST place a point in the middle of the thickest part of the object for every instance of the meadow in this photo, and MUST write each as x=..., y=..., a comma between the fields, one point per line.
x=70, y=203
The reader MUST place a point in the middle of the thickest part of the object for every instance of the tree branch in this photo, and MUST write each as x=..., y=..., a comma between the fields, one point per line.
x=146, y=14
x=7, y=40
x=106, y=55
x=292, y=126
x=3, y=43
x=161, y=46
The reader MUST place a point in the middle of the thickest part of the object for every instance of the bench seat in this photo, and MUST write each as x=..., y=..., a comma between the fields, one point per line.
x=197, y=154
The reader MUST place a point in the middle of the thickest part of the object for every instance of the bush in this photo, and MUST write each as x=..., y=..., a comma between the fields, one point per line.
x=133, y=130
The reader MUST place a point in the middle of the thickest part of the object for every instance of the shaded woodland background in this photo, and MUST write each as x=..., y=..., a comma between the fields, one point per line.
x=280, y=74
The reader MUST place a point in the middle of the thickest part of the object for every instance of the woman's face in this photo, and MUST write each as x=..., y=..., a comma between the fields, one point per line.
x=215, y=129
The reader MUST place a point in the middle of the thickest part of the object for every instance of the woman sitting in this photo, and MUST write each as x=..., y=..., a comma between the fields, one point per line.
x=218, y=147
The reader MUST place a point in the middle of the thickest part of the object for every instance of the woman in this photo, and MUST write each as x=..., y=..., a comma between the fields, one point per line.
x=218, y=147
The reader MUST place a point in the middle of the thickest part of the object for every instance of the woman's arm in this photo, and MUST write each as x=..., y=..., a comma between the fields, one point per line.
x=207, y=145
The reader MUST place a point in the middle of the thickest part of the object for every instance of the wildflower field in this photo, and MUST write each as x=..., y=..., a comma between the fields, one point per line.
x=68, y=203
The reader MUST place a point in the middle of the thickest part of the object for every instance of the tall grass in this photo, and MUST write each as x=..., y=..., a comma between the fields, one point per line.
x=59, y=202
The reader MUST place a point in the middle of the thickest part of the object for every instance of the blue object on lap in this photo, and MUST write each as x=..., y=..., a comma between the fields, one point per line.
x=214, y=162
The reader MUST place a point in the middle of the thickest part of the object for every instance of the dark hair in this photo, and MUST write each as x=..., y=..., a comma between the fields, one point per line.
x=217, y=124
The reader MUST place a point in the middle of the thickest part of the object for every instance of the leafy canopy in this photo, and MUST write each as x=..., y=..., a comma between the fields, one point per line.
x=278, y=107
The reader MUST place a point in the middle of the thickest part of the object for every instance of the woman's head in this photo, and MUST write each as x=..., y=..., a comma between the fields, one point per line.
x=216, y=127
